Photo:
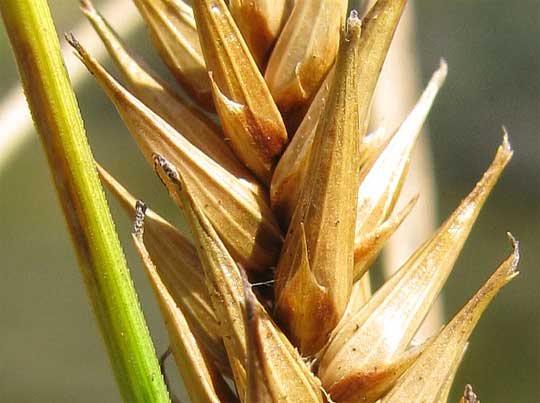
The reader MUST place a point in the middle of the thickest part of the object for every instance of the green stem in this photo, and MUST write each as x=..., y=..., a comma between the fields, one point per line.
x=58, y=121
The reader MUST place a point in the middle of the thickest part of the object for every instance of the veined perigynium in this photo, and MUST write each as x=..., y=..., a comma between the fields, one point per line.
x=288, y=201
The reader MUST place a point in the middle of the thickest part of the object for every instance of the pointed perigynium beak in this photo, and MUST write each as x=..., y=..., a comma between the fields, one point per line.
x=179, y=268
x=378, y=28
x=314, y=274
x=173, y=31
x=425, y=379
x=371, y=339
x=250, y=118
x=303, y=55
x=161, y=98
x=286, y=377
x=263, y=66
x=238, y=209
x=382, y=177
x=204, y=383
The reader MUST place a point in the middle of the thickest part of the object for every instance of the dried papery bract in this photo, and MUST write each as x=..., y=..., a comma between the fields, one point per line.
x=426, y=378
x=202, y=380
x=372, y=143
x=174, y=33
x=368, y=247
x=369, y=340
x=250, y=118
x=303, y=55
x=238, y=209
x=314, y=274
x=260, y=22
x=292, y=167
x=220, y=271
x=378, y=28
x=287, y=377
x=180, y=271
x=161, y=98
x=361, y=293
x=444, y=391
x=382, y=177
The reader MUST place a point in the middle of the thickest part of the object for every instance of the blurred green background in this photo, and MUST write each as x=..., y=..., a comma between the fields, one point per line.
x=50, y=349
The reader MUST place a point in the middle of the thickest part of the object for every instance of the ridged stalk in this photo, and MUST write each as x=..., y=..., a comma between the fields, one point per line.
x=57, y=119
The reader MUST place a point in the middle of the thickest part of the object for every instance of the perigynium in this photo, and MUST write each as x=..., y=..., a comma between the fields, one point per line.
x=266, y=152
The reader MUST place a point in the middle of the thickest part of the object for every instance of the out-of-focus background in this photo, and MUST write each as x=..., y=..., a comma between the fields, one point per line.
x=50, y=349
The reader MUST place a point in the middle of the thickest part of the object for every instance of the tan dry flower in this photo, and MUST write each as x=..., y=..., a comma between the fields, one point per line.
x=302, y=212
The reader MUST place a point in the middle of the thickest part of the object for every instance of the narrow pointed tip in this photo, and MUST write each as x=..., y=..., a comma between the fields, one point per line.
x=172, y=178
x=168, y=173
x=505, y=273
x=406, y=210
x=469, y=396
x=435, y=83
x=72, y=40
x=353, y=16
x=513, y=240
x=412, y=202
x=504, y=153
x=506, y=142
x=512, y=270
x=354, y=25
x=87, y=6
x=80, y=51
x=442, y=72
